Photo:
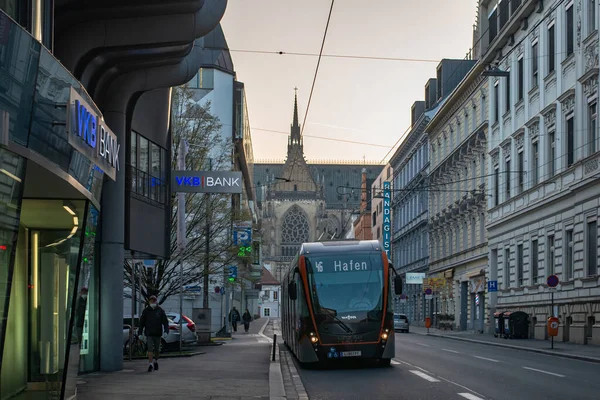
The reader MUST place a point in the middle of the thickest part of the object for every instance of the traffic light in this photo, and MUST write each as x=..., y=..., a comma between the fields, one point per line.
x=233, y=270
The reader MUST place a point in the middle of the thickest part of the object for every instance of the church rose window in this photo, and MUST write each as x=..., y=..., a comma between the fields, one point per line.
x=295, y=226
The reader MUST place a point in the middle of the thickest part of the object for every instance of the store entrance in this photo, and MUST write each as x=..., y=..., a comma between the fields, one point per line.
x=52, y=281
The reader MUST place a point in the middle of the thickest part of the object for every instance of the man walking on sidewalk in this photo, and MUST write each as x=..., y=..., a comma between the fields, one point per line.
x=234, y=317
x=155, y=322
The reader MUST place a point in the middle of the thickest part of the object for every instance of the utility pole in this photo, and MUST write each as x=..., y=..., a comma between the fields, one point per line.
x=181, y=234
x=207, y=245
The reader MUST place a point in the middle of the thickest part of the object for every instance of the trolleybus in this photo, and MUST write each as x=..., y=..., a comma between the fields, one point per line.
x=337, y=302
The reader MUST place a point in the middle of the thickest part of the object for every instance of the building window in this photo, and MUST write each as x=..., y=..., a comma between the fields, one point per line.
x=267, y=312
x=570, y=141
x=520, y=265
x=568, y=248
x=521, y=76
x=506, y=268
x=591, y=16
x=550, y=255
x=496, y=185
x=570, y=31
x=147, y=168
x=535, y=163
x=593, y=127
x=473, y=235
x=507, y=87
x=552, y=153
x=275, y=295
x=507, y=179
x=496, y=102
x=521, y=171
x=592, y=248
x=481, y=228
x=534, y=262
x=534, y=65
x=551, y=49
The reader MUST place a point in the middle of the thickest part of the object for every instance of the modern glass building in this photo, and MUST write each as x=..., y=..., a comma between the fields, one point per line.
x=84, y=156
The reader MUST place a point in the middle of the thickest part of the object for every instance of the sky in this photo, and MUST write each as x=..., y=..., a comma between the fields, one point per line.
x=363, y=100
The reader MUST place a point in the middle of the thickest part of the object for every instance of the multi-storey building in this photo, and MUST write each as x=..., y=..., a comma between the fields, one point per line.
x=363, y=224
x=410, y=238
x=544, y=162
x=457, y=199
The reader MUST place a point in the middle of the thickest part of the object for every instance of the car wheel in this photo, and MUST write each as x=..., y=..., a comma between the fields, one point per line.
x=385, y=362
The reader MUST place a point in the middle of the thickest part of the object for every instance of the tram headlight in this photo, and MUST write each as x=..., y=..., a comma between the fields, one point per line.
x=313, y=337
x=384, y=335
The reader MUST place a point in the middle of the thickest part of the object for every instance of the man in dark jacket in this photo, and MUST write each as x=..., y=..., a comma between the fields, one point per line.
x=154, y=321
x=234, y=317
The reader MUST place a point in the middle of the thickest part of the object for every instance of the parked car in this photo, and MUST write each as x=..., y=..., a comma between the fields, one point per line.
x=401, y=323
x=189, y=327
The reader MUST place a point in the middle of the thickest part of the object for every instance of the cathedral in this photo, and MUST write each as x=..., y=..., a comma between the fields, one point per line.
x=306, y=202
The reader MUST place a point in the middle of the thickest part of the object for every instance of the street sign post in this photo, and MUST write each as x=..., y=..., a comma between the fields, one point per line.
x=428, y=294
x=552, y=282
x=492, y=286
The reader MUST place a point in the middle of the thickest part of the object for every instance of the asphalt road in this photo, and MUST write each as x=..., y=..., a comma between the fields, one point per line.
x=437, y=368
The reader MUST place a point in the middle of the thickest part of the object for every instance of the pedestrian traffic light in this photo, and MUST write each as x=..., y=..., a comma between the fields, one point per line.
x=233, y=270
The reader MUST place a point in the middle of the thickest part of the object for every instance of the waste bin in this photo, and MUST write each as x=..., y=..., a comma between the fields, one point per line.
x=498, y=324
x=516, y=325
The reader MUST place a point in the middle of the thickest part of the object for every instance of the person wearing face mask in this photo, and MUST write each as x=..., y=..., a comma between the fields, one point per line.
x=154, y=321
x=80, y=315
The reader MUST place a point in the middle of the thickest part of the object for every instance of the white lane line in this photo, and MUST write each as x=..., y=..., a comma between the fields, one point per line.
x=470, y=396
x=424, y=376
x=451, y=351
x=460, y=386
x=422, y=344
x=486, y=359
x=394, y=362
x=544, y=372
x=412, y=366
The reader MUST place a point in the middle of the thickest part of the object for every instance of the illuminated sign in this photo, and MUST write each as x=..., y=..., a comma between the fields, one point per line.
x=415, y=278
x=387, y=218
x=89, y=134
x=206, y=182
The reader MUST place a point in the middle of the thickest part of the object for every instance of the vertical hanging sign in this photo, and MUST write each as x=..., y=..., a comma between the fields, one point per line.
x=387, y=218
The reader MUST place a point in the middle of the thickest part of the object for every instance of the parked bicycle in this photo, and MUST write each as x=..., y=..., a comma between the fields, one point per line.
x=138, y=346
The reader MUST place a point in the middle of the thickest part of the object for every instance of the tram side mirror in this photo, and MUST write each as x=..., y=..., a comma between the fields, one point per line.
x=398, y=285
x=292, y=290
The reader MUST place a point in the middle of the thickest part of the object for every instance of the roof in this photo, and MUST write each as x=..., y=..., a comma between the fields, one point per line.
x=345, y=246
x=267, y=278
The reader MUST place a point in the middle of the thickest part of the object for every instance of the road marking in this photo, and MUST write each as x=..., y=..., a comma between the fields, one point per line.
x=424, y=376
x=544, y=372
x=486, y=359
x=470, y=396
x=412, y=366
x=422, y=344
x=394, y=362
x=451, y=351
x=459, y=385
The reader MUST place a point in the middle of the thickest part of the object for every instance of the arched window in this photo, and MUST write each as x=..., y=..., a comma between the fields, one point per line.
x=295, y=228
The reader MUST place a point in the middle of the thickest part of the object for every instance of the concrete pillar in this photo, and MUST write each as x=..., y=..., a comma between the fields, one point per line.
x=112, y=256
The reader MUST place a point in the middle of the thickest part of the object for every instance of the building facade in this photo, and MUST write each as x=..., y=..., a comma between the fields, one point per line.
x=376, y=196
x=269, y=301
x=76, y=200
x=543, y=147
x=363, y=223
x=302, y=202
x=410, y=237
x=457, y=203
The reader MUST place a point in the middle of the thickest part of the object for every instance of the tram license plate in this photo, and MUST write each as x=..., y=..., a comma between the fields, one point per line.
x=350, y=353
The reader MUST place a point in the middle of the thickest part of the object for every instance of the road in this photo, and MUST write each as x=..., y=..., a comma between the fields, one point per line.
x=430, y=368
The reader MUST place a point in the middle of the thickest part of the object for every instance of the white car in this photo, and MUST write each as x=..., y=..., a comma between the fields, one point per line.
x=189, y=327
x=168, y=341
x=401, y=323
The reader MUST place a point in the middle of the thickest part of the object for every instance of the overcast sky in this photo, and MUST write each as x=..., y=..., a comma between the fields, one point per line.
x=363, y=100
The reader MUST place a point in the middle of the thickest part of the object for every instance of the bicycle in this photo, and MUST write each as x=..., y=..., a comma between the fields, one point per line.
x=138, y=348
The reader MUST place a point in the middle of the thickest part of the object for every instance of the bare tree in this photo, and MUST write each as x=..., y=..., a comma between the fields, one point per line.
x=206, y=214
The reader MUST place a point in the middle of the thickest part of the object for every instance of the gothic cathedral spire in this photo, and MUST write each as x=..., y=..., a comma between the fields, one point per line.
x=295, y=137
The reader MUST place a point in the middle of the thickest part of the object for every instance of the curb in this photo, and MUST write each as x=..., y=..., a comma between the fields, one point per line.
x=510, y=346
x=197, y=353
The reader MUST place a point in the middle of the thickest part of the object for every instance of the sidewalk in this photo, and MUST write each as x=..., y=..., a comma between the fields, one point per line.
x=238, y=370
x=561, y=349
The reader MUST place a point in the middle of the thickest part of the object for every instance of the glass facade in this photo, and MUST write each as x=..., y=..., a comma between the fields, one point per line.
x=49, y=286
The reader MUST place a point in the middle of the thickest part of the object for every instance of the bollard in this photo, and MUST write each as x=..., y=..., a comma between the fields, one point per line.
x=274, y=344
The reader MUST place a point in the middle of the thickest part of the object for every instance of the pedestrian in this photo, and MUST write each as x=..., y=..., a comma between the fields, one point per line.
x=234, y=317
x=154, y=321
x=80, y=315
x=246, y=318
